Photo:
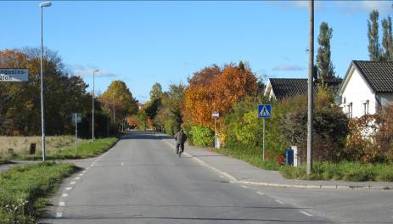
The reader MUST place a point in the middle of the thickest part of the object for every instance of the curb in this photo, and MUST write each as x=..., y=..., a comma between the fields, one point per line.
x=297, y=186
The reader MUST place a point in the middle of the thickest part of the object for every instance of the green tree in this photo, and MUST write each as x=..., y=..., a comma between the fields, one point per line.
x=374, y=48
x=169, y=116
x=387, y=39
x=325, y=68
x=156, y=91
x=154, y=104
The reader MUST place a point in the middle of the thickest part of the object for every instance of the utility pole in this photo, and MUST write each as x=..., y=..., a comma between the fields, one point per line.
x=93, y=107
x=310, y=91
x=42, y=6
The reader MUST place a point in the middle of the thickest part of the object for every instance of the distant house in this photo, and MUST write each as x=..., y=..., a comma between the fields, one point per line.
x=367, y=87
x=281, y=88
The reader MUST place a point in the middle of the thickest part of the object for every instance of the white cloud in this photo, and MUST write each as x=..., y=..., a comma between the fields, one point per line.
x=86, y=71
x=288, y=67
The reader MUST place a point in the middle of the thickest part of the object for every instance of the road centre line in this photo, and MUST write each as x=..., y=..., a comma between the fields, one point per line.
x=62, y=204
x=305, y=213
x=279, y=202
x=64, y=195
x=260, y=193
x=73, y=182
x=59, y=214
x=68, y=188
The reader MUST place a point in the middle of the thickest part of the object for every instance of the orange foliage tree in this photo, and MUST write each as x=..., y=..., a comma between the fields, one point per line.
x=215, y=89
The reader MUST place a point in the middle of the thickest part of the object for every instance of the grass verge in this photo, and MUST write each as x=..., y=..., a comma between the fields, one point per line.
x=250, y=155
x=348, y=171
x=23, y=190
x=84, y=149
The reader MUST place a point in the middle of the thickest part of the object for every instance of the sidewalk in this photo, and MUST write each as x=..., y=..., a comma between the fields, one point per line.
x=241, y=172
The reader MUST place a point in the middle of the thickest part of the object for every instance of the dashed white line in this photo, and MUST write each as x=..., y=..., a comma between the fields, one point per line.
x=260, y=193
x=68, y=188
x=245, y=187
x=77, y=178
x=279, y=202
x=62, y=204
x=305, y=213
x=73, y=182
x=81, y=174
x=59, y=214
x=64, y=195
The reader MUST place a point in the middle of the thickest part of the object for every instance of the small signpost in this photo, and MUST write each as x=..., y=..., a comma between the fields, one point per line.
x=264, y=112
x=216, y=115
x=14, y=75
x=76, y=118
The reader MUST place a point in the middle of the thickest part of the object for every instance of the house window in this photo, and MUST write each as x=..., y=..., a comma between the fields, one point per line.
x=366, y=107
x=349, y=114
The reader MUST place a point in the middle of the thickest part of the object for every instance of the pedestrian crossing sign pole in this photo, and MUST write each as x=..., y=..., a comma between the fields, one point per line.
x=264, y=112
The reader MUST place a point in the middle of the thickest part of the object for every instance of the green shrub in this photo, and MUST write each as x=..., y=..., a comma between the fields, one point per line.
x=201, y=136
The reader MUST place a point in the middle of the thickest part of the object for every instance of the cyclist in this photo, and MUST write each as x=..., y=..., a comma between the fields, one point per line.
x=180, y=140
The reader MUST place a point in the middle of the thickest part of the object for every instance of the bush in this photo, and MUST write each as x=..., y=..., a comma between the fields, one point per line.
x=329, y=123
x=201, y=136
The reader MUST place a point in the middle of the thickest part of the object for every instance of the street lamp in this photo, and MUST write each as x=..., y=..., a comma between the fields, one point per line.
x=42, y=6
x=92, y=107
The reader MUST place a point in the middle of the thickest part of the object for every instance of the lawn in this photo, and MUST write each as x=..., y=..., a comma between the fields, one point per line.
x=24, y=190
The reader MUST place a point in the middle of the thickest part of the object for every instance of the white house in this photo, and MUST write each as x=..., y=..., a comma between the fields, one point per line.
x=367, y=87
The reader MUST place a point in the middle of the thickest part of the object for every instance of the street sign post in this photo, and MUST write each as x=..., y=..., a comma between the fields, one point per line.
x=76, y=118
x=264, y=112
x=216, y=115
x=14, y=75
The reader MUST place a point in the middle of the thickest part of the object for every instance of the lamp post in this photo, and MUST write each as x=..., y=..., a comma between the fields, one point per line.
x=92, y=107
x=42, y=6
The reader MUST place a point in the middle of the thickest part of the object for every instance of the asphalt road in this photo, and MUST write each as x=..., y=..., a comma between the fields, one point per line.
x=141, y=180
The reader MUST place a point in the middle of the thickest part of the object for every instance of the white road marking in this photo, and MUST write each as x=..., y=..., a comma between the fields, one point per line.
x=243, y=186
x=87, y=169
x=77, y=178
x=122, y=164
x=260, y=193
x=81, y=174
x=68, y=188
x=59, y=214
x=305, y=213
x=222, y=176
x=279, y=202
x=64, y=195
x=62, y=204
x=73, y=182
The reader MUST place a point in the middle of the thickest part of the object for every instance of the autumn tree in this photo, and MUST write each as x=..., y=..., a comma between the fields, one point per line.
x=325, y=68
x=20, y=106
x=216, y=89
x=119, y=102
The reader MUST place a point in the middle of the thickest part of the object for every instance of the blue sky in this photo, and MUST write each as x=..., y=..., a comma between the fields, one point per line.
x=146, y=42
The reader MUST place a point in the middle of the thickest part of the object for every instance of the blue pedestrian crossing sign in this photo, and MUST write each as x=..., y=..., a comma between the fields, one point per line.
x=264, y=110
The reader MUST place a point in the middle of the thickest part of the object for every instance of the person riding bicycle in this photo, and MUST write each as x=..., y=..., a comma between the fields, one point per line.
x=180, y=140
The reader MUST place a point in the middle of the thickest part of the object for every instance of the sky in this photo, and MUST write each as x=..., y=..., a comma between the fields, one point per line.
x=143, y=42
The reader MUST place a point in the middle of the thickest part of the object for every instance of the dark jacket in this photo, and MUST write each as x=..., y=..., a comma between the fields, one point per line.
x=180, y=137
